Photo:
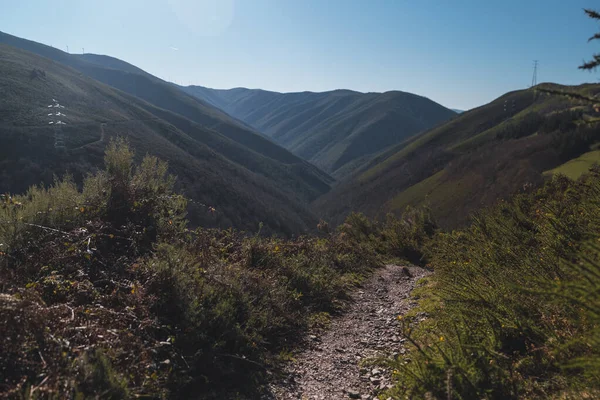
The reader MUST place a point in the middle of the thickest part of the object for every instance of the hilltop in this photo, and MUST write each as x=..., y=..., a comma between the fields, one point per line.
x=338, y=130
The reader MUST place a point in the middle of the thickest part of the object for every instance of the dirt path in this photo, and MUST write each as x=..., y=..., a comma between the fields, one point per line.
x=329, y=367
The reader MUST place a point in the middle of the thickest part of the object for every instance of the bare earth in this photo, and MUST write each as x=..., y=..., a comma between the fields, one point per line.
x=329, y=367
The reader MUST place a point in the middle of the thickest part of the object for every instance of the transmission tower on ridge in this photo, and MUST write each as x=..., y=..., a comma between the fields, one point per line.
x=535, y=71
x=56, y=118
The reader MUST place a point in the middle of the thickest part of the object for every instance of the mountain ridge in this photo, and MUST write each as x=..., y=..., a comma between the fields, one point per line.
x=135, y=81
x=330, y=129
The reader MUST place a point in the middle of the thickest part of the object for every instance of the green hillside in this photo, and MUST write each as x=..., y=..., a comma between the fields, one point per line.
x=139, y=83
x=246, y=186
x=337, y=131
x=481, y=156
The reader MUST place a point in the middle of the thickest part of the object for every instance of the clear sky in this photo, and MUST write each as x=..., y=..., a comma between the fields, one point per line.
x=461, y=53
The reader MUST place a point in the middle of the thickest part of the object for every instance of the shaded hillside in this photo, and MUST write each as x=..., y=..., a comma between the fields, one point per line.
x=481, y=156
x=337, y=130
x=139, y=83
x=246, y=187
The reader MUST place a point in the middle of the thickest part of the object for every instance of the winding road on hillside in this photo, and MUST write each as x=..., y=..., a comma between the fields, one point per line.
x=329, y=367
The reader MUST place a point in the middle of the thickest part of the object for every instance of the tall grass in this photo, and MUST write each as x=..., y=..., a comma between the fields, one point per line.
x=513, y=307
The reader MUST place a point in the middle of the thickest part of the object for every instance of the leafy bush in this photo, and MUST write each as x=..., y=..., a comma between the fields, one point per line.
x=408, y=236
x=143, y=195
x=121, y=195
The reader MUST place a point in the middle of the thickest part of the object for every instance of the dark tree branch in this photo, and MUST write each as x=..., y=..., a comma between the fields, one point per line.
x=591, y=65
x=595, y=62
x=591, y=13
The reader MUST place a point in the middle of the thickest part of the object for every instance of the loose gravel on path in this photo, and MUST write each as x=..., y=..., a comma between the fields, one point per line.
x=329, y=367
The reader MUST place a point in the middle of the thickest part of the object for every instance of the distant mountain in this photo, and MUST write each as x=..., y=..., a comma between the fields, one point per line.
x=220, y=163
x=139, y=83
x=484, y=155
x=457, y=111
x=337, y=131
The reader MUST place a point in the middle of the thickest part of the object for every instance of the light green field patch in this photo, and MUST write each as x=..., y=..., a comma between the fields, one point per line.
x=578, y=166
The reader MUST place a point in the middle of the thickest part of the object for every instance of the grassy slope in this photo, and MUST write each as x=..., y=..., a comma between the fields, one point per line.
x=458, y=166
x=332, y=129
x=578, y=166
x=245, y=186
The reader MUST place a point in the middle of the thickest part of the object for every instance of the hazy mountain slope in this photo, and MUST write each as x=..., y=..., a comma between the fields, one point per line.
x=244, y=186
x=331, y=129
x=133, y=80
x=481, y=156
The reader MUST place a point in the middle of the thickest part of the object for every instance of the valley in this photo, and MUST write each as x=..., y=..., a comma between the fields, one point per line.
x=167, y=240
x=337, y=131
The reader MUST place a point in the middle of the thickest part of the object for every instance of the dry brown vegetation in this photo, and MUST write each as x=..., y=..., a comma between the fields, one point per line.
x=106, y=293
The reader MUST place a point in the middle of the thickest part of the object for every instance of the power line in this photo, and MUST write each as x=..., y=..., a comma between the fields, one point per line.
x=535, y=73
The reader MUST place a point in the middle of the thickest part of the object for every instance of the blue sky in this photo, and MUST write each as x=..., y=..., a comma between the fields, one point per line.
x=461, y=53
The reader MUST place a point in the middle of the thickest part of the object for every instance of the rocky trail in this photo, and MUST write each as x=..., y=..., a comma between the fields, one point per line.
x=330, y=366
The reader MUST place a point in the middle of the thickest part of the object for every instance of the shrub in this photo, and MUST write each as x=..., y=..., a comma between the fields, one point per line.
x=235, y=302
x=67, y=251
x=407, y=237
x=26, y=218
x=396, y=239
x=143, y=195
x=108, y=294
x=513, y=303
